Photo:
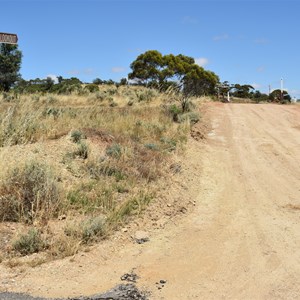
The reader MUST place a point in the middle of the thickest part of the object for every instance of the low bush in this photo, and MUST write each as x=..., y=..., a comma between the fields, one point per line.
x=28, y=193
x=114, y=150
x=77, y=136
x=92, y=88
x=88, y=230
x=29, y=243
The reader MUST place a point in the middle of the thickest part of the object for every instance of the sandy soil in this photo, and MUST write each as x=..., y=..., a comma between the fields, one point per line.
x=240, y=239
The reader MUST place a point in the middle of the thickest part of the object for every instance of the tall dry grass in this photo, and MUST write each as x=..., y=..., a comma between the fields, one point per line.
x=116, y=154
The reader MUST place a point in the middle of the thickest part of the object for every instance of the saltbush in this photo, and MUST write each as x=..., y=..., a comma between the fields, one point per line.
x=29, y=243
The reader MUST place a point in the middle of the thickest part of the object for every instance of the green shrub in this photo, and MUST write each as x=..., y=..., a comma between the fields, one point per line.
x=91, y=229
x=29, y=243
x=174, y=111
x=69, y=88
x=146, y=95
x=114, y=151
x=77, y=136
x=92, y=88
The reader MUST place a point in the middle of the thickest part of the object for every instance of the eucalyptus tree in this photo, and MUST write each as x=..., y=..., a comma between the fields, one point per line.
x=154, y=69
x=10, y=64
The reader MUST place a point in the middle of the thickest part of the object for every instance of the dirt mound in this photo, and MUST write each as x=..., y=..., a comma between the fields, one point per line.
x=96, y=135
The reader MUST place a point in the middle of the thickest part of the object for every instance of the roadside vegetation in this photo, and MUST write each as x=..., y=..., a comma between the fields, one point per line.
x=74, y=167
x=80, y=160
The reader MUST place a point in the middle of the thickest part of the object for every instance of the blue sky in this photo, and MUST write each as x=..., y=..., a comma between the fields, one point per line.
x=245, y=41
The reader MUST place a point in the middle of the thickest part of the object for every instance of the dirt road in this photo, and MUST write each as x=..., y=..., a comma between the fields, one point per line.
x=241, y=240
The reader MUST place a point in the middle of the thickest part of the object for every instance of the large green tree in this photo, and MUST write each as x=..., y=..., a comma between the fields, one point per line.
x=199, y=82
x=147, y=67
x=10, y=64
x=154, y=69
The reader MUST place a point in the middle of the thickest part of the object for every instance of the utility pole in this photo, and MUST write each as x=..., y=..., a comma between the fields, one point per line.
x=269, y=89
x=281, y=89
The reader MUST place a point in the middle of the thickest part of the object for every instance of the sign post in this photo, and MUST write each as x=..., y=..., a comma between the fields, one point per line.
x=8, y=38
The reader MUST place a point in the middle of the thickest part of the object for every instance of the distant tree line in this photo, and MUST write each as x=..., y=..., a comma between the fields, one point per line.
x=247, y=91
x=62, y=85
x=150, y=69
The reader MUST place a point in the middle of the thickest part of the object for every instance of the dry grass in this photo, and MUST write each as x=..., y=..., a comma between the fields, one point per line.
x=85, y=159
x=29, y=193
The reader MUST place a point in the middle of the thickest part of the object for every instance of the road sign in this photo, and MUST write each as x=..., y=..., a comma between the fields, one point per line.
x=8, y=38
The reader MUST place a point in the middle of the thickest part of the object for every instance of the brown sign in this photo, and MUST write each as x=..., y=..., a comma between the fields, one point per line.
x=8, y=38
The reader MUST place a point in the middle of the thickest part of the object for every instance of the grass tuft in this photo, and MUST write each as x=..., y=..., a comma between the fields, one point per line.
x=29, y=192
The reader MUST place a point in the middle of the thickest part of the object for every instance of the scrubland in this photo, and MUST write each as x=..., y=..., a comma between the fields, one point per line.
x=75, y=168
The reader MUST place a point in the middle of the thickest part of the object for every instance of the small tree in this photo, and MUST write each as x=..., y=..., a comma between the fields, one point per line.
x=10, y=64
x=242, y=91
x=98, y=81
x=276, y=96
x=123, y=81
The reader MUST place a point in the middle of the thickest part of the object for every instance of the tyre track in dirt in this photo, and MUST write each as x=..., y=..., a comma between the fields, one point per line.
x=242, y=239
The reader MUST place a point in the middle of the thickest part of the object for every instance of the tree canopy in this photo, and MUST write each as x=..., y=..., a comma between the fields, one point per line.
x=276, y=96
x=154, y=69
x=242, y=91
x=64, y=86
x=10, y=64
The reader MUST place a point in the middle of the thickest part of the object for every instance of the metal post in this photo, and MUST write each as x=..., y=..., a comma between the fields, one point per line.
x=281, y=89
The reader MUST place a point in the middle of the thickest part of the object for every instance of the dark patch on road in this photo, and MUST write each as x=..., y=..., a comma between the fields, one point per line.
x=120, y=292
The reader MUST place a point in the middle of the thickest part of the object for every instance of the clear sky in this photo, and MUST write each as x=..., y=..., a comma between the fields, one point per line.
x=245, y=41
